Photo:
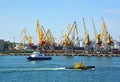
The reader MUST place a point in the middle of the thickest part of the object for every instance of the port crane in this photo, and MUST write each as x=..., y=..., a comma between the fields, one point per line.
x=46, y=38
x=98, y=38
x=41, y=35
x=21, y=45
x=67, y=41
x=75, y=32
x=87, y=39
x=50, y=38
x=106, y=37
x=26, y=38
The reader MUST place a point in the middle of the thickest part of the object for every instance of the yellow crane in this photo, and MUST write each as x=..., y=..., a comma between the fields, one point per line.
x=67, y=41
x=87, y=40
x=105, y=34
x=27, y=37
x=98, y=39
x=75, y=32
x=49, y=38
x=21, y=45
x=40, y=34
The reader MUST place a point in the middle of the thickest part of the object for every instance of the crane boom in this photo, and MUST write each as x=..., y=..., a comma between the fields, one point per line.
x=37, y=29
x=94, y=28
x=27, y=37
x=105, y=33
x=40, y=33
x=87, y=41
x=84, y=26
x=74, y=26
x=104, y=30
x=71, y=29
x=75, y=32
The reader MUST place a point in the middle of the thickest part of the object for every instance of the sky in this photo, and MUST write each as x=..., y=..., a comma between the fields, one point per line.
x=56, y=15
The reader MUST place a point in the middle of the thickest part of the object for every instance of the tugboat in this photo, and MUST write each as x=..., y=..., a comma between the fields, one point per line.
x=38, y=56
x=80, y=66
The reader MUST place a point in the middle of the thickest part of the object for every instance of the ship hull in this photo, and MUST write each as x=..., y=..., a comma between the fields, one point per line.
x=82, y=68
x=39, y=58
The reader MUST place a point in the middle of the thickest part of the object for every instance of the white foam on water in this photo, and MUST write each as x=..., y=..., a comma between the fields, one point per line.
x=34, y=69
x=30, y=69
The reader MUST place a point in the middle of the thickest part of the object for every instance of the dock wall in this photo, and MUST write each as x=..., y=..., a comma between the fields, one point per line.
x=61, y=54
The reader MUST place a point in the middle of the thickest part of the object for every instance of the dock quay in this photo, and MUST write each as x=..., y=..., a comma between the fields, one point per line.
x=61, y=54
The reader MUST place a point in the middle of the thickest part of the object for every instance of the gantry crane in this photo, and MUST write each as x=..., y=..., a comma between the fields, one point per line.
x=87, y=40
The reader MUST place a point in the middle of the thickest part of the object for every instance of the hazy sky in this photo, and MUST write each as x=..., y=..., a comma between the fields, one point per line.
x=56, y=14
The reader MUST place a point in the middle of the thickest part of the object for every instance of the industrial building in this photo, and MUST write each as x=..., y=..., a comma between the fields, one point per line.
x=1, y=45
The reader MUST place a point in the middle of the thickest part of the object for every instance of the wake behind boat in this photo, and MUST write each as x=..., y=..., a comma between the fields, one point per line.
x=38, y=56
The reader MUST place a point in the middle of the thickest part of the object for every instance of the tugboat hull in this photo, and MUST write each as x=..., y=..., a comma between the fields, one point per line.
x=38, y=56
x=82, y=68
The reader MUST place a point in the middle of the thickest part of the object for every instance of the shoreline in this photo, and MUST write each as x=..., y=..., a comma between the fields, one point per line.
x=60, y=54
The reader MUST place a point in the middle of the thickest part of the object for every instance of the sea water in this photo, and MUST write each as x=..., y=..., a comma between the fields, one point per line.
x=19, y=69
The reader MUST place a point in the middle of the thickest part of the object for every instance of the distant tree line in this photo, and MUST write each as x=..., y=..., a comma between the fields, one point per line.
x=9, y=45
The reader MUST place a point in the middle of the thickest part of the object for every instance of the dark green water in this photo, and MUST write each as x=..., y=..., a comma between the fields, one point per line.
x=19, y=69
